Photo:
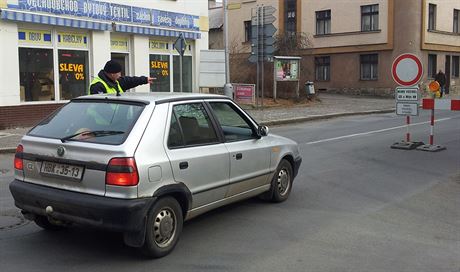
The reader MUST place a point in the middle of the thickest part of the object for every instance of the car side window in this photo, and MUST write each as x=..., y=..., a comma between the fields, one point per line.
x=190, y=125
x=234, y=126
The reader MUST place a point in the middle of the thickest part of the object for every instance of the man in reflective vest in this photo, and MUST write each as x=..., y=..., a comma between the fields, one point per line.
x=109, y=80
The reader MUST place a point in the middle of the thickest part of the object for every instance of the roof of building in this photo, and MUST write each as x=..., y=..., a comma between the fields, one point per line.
x=216, y=18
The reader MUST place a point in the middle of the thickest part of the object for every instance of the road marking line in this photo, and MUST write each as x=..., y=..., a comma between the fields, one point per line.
x=373, y=132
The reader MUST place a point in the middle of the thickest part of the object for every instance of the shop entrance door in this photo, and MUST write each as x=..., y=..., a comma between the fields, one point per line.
x=123, y=60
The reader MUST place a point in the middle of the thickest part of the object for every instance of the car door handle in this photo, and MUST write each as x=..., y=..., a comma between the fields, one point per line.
x=239, y=156
x=183, y=165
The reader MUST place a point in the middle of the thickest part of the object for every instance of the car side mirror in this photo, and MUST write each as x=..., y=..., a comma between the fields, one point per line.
x=262, y=131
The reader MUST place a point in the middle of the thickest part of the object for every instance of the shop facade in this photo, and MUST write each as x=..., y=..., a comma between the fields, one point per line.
x=52, y=49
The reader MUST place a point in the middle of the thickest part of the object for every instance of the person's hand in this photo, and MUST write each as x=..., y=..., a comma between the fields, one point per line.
x=151, y=79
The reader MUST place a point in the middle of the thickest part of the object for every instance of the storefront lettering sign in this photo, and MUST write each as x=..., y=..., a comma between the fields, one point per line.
x=158, y=45
x=163, y=66
x=76, y=69
x=34, y=36
x=119, y=44
x=72, y=40
x=109, y=12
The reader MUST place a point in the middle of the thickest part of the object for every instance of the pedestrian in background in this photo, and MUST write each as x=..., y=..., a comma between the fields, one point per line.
x=109, y=80
x=441, y=79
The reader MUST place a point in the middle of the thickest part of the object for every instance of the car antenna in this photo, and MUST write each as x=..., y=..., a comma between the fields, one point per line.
x=118, y=92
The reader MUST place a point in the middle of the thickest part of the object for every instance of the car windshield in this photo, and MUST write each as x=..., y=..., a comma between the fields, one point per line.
x=100, y=122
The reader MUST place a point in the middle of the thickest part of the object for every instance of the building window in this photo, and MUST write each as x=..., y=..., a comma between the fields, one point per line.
x=322, y=68
x=369, y=66
x=432, y=61
x=369, y=18
x=456, y=21
x=323, y=22
x=160, y=69
x=186, y=74
x=247, y=31
x=455, y=66
x=290, y=16
x=431, y=17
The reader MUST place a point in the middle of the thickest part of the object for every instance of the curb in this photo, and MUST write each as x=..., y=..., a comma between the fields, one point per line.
x=321, y=117
x=7, y=150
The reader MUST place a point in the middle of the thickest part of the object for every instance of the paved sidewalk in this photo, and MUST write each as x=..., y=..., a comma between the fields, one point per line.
x=328, y=106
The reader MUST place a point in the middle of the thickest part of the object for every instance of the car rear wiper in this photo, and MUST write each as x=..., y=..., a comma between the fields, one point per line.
x=94, y=133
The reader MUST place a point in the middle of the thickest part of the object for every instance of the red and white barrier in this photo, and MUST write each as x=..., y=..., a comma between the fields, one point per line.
x=437, y=104
x=441, y=104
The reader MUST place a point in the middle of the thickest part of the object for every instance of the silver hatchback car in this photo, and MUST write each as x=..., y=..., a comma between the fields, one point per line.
x=141, y=164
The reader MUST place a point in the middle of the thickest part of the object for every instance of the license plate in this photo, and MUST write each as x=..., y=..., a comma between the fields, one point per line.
x=63, y=170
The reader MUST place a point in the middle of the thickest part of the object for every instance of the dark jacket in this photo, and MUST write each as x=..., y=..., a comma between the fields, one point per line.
x=441, y=79
x=126, y=83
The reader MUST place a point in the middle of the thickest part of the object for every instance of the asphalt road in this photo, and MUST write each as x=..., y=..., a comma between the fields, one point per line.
x=356, y=205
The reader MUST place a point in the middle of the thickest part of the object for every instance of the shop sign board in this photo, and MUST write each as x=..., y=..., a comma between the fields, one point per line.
x=36, y=37
x=110, y=12
x=119, y=44
x=158, y=45
x=286, y=69
x=244, y=93
x=75, y=40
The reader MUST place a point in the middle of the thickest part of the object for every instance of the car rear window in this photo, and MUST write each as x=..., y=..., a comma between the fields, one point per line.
x=90, y=121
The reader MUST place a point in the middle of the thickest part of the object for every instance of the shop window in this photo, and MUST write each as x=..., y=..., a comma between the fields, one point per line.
x=432, y=65
x=160, y=69
x=186, y=74
x=36, y=74
x=123, y=60
x=369, y=66
x=73, y=73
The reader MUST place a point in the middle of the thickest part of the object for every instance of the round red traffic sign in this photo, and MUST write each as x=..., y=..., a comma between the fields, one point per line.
x=407, y=70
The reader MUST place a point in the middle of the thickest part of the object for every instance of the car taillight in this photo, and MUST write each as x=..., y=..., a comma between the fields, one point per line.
x=18, y=162
x=122, y=172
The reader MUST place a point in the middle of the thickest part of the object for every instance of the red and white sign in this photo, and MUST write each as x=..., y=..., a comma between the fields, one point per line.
x=441, y=104
x=244, y=93
x=407, y=70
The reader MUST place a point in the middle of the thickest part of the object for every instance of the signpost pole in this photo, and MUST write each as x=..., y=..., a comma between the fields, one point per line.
x=407, y=130
x=180, y=75
x=257, y=55
x=263, y=55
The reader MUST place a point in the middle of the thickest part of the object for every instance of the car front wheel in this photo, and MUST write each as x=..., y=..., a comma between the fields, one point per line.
x=282, y=182
x=164, y=226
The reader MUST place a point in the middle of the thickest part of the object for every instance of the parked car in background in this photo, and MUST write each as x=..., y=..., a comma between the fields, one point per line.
x=141, y=164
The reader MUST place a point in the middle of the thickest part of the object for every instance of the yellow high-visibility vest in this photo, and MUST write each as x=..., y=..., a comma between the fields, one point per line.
x=108, y=89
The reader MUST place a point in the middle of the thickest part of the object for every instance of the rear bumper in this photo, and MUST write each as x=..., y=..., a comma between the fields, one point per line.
x=124, y=215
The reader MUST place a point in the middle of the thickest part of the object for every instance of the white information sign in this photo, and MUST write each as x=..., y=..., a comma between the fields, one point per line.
x=407, y=108
x=407, y=94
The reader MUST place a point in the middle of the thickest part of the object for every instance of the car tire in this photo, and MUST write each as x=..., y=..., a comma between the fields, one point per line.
x=281, y=183
x=164, y=226
x=44, y=223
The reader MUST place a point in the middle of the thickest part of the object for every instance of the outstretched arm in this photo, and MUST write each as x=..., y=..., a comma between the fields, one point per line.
x=128, y=82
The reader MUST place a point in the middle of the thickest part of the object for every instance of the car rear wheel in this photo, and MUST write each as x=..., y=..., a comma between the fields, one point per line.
x=281, y=183
x=164, y=226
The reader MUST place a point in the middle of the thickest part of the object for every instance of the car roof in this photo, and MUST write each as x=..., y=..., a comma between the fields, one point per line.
x=152, y=97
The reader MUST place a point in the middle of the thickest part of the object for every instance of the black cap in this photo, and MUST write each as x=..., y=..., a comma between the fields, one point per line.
x=112, y=67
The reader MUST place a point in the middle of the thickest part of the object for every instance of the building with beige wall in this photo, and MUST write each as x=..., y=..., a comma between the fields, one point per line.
x=353, y=43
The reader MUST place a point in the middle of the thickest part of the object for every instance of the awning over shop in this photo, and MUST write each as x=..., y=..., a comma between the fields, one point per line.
x=155, y=31
x=30, y=17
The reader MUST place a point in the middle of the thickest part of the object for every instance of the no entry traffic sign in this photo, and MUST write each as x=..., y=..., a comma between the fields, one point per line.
x=407, y=70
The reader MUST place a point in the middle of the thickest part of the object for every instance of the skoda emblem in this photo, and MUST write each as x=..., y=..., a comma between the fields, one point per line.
x=60, y=151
